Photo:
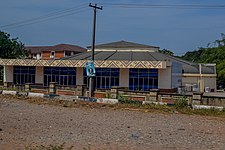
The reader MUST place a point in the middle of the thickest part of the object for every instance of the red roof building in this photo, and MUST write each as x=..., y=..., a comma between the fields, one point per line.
x=53, y=52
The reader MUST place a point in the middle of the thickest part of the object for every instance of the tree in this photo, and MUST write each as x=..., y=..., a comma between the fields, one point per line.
x=214, y=54
x=221, y=42
x=166, y=51
x=11, y=47
x=193, y=56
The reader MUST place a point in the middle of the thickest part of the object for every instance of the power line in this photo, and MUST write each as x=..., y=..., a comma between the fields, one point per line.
x=80, y=8
x=44, y=20
x=41, y=19
x=129, y=5
x=47, y=17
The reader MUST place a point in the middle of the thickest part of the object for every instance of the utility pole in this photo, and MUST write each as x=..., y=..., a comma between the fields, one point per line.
x=91, y=79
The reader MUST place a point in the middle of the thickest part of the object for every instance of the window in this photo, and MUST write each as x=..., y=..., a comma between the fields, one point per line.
x=67, y=53
x=65, y=76
x=34, y=56
x=105, y=77
x=143, y=79
x=23, y=74
x=52, y=55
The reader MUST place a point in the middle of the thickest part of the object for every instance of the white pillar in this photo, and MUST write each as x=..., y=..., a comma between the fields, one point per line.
x=39, y=75
x=8, y=73
x=165, y=78
x=201, y=85
x=38, y=56
x=79, y=76
x=124, y=77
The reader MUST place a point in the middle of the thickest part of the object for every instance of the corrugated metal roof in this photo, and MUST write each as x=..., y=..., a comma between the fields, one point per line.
x=129, y=55
x=188, y=67
x=104, y=56
x=122, y=56
x=122, y=44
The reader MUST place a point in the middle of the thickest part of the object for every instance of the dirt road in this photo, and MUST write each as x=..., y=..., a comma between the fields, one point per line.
x=24, y=124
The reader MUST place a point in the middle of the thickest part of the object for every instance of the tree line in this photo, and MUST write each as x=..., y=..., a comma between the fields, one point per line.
x=212, y=53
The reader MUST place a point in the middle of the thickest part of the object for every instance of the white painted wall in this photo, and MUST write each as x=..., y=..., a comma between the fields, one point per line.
x=165, y=78
x=124, y=77
x=207, y=81
x=8, y=74
x=210, y=82
x=39, y=75
x=79, y=76
x=189, y=80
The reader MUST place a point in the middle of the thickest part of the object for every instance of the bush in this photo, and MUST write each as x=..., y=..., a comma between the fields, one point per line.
x=181, y=103
x=108, y=94
x=127, y=100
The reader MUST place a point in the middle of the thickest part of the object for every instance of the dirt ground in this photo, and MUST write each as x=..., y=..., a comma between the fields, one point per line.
x=26, y=125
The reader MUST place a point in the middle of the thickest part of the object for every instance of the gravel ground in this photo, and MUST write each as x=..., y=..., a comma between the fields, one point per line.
x=24, y=124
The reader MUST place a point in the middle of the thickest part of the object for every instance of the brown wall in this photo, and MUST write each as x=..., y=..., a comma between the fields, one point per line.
x=58, y=54
x=45, y=55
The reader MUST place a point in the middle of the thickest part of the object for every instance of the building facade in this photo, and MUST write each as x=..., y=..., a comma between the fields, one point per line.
x=53, y=52
x=136, y=67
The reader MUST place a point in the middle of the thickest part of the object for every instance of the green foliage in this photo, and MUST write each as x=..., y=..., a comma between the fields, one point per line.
x=126, y=100
x=181, y=103
x=166, y=51
x=108, y=94
x=11, y=47
x=220, y=42
x=205, y=112
x=214, y=54
x=193, y=56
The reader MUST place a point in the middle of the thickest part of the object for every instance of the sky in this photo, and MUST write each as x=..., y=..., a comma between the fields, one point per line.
x=176, y=29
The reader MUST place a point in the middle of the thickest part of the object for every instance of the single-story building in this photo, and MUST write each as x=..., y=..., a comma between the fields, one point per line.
x=135, y=66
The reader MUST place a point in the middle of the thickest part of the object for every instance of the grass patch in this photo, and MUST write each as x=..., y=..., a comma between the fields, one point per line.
x=204, y=112
x=127, y=100
x=179, y=107
x=8, y=89
x=181, y=103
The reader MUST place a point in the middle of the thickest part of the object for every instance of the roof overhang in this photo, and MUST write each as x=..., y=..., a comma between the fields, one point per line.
x=198, y=75
x=81, y=63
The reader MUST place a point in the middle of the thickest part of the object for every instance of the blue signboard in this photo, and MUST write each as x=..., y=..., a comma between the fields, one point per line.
x=90, y=69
